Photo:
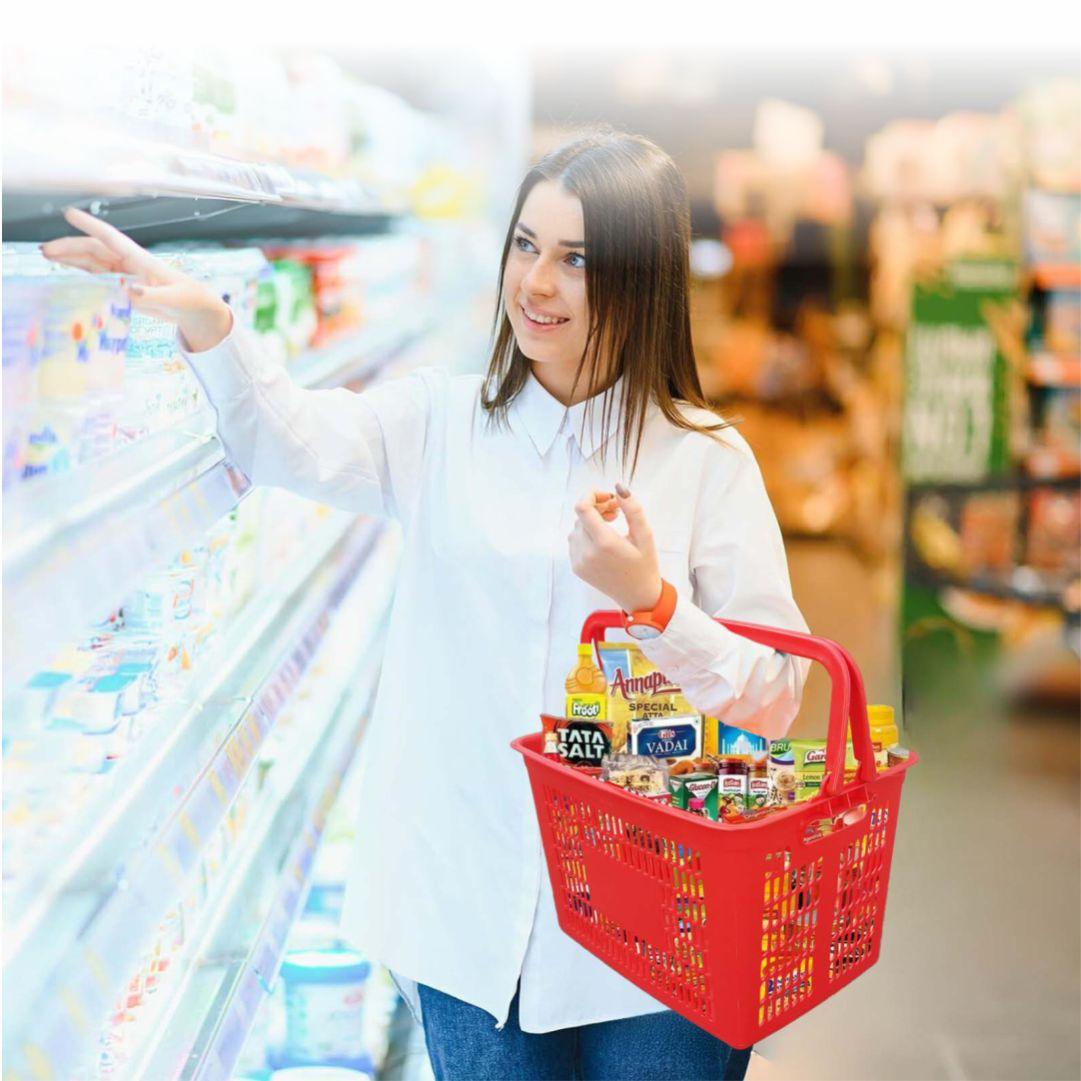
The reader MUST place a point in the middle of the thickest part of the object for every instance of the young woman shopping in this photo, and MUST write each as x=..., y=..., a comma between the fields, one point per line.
x=583, y=471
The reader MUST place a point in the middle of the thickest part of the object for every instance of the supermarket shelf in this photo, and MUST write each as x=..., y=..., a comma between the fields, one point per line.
x=160, y=192
x=79, y=942
x=160, y=217
x=206, y=1021
x=211, y=1020
x=71, y=568
x=1037, y=593
x=358, y=357
x=1054, y=370
x=134, y=510
x=1049, y=463
x=1007, y=482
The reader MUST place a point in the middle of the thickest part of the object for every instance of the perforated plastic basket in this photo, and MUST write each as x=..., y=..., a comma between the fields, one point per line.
x=739, y=928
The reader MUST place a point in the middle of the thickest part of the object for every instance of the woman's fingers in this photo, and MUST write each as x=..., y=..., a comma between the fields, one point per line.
x=591, y=521
x=83, y=252
x=641, y=536
x=134, y=259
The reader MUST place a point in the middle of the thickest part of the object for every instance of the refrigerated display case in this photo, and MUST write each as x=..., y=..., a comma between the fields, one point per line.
x=189, y=662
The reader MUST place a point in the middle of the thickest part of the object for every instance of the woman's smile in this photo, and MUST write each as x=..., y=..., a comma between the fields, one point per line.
x=538, y=322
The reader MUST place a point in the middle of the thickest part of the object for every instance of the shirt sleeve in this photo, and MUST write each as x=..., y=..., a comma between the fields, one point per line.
x=740, y=572
x=363, y=452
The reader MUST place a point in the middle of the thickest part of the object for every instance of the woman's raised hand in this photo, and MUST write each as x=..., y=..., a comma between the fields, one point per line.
x=157, y=289
x=624, y=568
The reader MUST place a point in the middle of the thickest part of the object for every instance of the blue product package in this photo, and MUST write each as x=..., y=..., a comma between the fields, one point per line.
x=732, y=740
x=325, y=992
x=668, y=737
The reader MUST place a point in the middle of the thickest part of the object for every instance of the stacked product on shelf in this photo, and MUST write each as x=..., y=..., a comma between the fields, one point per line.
x=782, y=339
x=329, y=1007
x=993, y=415
x=188, y=663
x=85, y=374
x=183, y=961
x=292, y=127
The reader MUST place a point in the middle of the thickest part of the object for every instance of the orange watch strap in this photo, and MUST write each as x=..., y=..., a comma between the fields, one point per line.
x=666, y=606
x=659, y=615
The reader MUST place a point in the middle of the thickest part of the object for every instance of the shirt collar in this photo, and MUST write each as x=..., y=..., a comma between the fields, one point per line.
x=542, y=417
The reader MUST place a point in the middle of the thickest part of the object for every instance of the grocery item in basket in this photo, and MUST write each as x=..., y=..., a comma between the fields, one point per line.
x=637, y=774
x=884, y=732
x=736, y=741
x=587, y=688
x=676, y=766
x=696, y=792
x=577, y=742
x=809, y=765
x=732, y=773
x=710, y=725
x=734, y=815
x=638, y=692
x=550, y=726
x=782, y=773
x=896, y=755
x=672, y=737
x=758, y=786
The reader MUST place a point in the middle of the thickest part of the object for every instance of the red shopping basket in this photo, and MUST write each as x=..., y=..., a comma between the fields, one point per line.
x=740, y=928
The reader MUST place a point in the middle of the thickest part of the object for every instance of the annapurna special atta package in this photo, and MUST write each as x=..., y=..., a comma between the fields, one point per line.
x=645, y=705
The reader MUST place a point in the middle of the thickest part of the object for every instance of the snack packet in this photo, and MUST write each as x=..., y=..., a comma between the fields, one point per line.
x=643, y=702
x=676, y=766
x=637, y=774
x=809, y=766
x=577, y=742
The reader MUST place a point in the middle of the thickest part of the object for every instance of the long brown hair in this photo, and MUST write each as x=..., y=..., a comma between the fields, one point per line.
x=637, y=235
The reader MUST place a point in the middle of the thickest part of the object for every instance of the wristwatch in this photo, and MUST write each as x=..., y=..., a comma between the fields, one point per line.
x=651, y=622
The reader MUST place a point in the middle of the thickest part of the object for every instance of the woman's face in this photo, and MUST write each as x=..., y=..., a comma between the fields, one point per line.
x=544, y=281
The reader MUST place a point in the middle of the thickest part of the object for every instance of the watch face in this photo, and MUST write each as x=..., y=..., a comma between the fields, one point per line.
x=643, y=631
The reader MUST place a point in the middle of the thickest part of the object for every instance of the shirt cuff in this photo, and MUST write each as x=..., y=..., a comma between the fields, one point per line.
x=222, y=369
x=692, y=640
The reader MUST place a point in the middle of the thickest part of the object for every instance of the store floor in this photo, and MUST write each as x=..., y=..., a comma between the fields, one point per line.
x=978, y=976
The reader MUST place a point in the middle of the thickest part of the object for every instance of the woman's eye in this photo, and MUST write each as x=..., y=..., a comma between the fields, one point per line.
x=522, y=244
x=580, y=265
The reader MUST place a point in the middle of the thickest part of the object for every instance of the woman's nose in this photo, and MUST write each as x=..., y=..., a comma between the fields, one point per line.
x=540, y=280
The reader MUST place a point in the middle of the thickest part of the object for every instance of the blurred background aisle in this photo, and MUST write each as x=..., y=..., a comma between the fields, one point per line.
x=887, y=298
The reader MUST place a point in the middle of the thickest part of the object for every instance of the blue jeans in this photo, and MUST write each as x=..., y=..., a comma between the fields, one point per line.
x=464, y=1045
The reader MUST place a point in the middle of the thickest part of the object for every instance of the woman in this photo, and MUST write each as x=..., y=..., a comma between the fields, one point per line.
x=503, y=487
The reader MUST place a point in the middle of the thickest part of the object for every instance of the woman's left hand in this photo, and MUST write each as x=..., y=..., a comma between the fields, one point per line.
x=623, y=568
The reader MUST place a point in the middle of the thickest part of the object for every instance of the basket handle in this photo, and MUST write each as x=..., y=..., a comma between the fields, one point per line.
x=848, y=699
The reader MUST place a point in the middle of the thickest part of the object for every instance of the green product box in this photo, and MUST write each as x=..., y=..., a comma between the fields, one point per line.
x=696, y=786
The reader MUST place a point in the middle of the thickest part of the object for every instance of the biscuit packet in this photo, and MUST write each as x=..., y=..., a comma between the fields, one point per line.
x=637, y=774
x=647, y=712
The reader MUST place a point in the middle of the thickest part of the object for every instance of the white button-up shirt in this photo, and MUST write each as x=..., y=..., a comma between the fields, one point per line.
x=448, y=885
